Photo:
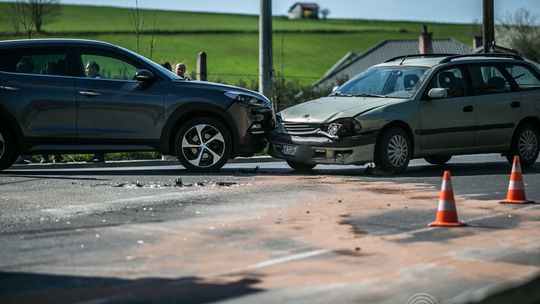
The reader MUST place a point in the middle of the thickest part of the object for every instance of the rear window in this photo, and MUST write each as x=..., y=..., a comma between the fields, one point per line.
x=488, y=79
x=524, y=77
x=43, y=62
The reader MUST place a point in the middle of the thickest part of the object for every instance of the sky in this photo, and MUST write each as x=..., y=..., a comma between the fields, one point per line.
x=458, y=11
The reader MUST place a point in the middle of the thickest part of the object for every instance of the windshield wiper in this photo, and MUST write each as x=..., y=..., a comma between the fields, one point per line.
x=369, y=95
x=341, y=94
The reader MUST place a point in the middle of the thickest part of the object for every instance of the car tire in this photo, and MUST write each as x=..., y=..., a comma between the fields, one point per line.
x=393, y=151
x=300, y=166
x=203, y=145
x=525, y=144
x=7, y=149
x=438, y=159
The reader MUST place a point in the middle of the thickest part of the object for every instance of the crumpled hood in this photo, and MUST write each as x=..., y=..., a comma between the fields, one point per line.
x=327, y=109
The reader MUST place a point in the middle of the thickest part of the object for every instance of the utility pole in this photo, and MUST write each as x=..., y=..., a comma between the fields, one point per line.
x=265, y=48
x=488, y=27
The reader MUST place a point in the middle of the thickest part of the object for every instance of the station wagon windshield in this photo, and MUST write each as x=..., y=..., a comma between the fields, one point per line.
x=396, y=82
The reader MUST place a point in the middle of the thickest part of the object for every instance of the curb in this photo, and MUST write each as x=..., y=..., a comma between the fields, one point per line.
x=136, y=163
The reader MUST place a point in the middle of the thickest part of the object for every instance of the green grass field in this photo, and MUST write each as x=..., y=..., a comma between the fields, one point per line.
x=299, y=46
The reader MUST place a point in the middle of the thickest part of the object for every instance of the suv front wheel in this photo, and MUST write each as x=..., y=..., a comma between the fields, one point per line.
x=525, y=144
x=203, y=145
x=393, y=151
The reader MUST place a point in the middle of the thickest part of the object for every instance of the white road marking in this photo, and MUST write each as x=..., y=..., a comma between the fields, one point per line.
x=476, y=219
x=289, y=258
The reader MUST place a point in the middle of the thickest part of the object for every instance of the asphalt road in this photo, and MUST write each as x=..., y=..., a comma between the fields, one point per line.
x=259, y=232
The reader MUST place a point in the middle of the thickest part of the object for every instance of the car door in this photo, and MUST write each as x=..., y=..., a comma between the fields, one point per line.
x=113, y=105
x=38, y=90
x=528, y=81
x=498, y=102
x=447, y=125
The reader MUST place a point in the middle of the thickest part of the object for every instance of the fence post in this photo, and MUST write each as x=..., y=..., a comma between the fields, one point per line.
x=201, y=66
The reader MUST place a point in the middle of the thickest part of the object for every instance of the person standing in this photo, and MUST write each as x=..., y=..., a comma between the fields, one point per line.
x=180, y=70
x=167, y=65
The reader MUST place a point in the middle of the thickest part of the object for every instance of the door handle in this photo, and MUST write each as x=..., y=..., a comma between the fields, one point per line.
x=467, y=109
x=515, y=104
x=8, y=88
x=90, y=93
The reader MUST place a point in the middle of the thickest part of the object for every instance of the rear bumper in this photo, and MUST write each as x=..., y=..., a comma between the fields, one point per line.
x=356, y=150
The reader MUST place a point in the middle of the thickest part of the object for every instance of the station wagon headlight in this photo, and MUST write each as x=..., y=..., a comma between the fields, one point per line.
x=343, y=127
x=248, y=100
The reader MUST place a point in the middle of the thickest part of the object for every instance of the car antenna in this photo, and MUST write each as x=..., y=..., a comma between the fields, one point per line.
x=405, y=58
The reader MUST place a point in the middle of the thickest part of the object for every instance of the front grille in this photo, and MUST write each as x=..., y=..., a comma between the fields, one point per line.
x=294, y=128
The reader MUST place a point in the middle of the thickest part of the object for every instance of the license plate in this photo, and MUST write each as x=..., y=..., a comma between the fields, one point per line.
x=288, y=150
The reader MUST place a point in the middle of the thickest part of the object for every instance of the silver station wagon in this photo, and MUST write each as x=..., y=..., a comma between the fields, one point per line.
x=418, y=106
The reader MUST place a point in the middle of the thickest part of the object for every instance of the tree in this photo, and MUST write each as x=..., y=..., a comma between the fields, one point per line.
x=325, y=12
x=136, y=18
x=22, y=14
x=44, y=11
x=520, y=31
x=32, y=14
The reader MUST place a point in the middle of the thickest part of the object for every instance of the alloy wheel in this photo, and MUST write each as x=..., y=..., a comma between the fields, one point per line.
x=398, y=150
x=203, y=145
x=528, y=145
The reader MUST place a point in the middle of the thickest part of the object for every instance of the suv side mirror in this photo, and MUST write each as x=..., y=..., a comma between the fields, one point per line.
x=144, y=75
x=438, y=93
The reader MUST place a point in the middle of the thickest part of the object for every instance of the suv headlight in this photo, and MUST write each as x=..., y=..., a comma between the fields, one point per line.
x=343, y=127
x=248, y=100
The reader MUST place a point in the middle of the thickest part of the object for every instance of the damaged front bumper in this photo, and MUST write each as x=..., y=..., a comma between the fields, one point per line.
x=354, y=150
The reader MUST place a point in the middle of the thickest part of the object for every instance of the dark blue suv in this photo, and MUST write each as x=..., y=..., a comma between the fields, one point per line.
x=81, y=96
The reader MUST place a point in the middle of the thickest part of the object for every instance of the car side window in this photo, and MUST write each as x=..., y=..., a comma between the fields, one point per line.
x=488, y=79
x=106, y=67
x=450, y=79
x=523, y=76
x=35, y=62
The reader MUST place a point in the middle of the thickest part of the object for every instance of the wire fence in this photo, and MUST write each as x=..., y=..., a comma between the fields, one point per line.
x=286, y=90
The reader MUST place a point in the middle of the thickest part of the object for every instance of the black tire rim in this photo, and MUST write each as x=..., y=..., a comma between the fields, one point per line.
x=2, y=145
x=528, y=145
x=203, y=145
x=397, y=151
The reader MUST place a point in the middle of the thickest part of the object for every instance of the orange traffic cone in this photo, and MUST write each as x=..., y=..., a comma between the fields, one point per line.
x=446, y=212
x=516, y=192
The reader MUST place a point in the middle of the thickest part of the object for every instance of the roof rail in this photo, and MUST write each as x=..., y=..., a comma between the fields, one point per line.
x=501, y=55
x=418, y=55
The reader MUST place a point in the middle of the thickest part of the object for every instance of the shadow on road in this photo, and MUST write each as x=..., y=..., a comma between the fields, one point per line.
x=47, y=288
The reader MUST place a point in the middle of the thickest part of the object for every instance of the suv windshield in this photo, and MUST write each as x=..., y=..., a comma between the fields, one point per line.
x=396, y=81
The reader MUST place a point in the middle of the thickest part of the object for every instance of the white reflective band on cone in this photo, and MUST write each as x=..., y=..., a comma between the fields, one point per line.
x=446, y=205
x=446, y=185
x=515, y=185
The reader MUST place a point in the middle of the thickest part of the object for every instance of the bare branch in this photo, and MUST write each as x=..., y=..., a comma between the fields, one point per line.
x=136, y=18
x=152, y=39
x=23, y=14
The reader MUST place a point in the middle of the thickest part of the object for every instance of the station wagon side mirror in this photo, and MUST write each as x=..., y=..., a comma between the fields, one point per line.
x=144, y=75
x=438, y=93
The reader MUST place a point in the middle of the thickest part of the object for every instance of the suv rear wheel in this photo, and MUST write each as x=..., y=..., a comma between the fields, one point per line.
x=525, y=144
x=7, y=149
x=393, y=151
x=203, y=145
